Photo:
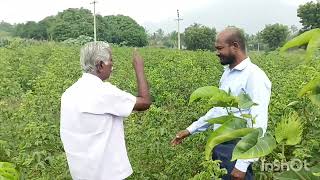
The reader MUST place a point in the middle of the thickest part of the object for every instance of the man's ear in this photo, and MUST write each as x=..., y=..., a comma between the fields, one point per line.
x=236, y=45
x=99, y=66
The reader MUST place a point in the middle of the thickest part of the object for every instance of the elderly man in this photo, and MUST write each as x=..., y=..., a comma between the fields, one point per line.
x=92, y=115
x=240, y=75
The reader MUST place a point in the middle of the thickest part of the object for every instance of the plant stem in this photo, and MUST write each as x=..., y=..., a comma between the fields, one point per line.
x=283, y=151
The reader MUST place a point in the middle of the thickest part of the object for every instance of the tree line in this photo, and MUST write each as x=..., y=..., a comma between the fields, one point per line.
x=119, y=29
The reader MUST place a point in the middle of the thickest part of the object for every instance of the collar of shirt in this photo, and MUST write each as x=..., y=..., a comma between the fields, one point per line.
x=91, y=78
x=242, y=65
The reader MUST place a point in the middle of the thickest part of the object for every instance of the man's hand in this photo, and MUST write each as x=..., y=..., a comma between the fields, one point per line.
x=179, y=137
x=236, y=174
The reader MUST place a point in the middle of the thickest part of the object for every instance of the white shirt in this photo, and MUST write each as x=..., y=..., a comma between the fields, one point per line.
x=249, y=78
x=91, y=129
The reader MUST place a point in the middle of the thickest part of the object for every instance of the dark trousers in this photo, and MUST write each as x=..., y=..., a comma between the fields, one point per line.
x=223, y=152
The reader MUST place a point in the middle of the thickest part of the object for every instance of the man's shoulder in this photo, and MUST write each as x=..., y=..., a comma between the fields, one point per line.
x=71, y=89
x=257, y=74
x=256, y=70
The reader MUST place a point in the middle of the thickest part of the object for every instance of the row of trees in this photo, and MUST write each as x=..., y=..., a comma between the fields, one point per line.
x=198, y=36
x=72, y=23
x=123, y=30
x=271, y=37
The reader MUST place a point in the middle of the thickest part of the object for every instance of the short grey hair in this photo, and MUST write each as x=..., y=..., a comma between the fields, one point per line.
x=92, y=53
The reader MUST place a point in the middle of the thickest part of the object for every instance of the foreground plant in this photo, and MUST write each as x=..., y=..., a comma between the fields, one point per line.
x=253, y=143
x=8, y=171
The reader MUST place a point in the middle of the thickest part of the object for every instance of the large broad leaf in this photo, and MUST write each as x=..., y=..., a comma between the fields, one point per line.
x=311, y=87
x=254, y=146
x=223, y=100
x=244, y=101
x=223, y=119
x=313, y=47
x=8, y=171
x=289, y=130
x=204, y=92
x=312, y=38
x=312, y=90
x=224, y=138
x=226, y=132
x=300, y=40
x=216, y=97
x=296, y=175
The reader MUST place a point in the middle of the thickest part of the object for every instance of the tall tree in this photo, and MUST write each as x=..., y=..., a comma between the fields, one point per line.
x=72, y=23
x=274, y=35
x=124, y=30
x=199, y=37
x=309, y=14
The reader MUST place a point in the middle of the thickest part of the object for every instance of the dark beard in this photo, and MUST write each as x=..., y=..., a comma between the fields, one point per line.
x=227, y=60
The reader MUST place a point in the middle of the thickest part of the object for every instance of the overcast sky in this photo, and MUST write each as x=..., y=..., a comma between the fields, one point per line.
x=251, y=15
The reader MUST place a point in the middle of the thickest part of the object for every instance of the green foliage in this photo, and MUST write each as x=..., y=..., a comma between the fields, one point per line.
x=274, y=35
x=227, y=132
x=309, y=15
x=6, y=30
x=170, y=40
x=124, y=30
x=35, y=74
x=289, y=130
x=312, y=90
x=81, y=40
x=7, y=27
x=31, y=30
x=222, y=119
x=72, y=23
x=8, y=171
x=311, y=38
x=214, y=96
x=199, y=37
x=254, y=145
x=244, y=101
x=212, y=171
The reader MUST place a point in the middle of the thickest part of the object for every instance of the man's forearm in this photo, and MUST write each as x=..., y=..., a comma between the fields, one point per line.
x=143, y=88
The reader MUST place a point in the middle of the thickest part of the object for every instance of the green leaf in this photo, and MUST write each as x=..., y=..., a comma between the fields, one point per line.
x=293, y=103
x=224, y=138
x=315, y=99
x=254, y=146
x=311, y=87
x=312, y=90
x=204, y=92
x=230, y=130
x=249, y=116
x=312, y=38
x=300, y=40
x=222, y=119
x=223, y=99
x=244, y=101
x=289, y=130
x=215, y=97
x=313, y=47
x=8, y=171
